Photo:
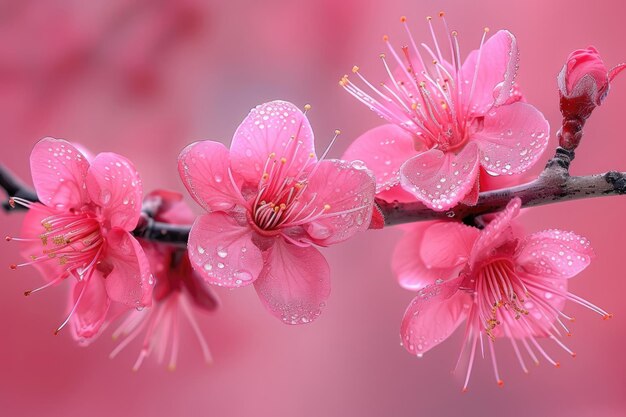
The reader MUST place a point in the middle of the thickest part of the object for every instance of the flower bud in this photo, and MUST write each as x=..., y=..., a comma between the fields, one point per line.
x=584, y=82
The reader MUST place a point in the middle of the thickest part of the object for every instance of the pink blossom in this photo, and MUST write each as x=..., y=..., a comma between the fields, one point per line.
x=448, y=119
x=584, y=82
x=81, y=229
x=178, y=291
x=268, y=200
x=503, y=283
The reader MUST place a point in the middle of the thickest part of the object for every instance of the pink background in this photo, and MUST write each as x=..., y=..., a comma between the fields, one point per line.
x=145, y=80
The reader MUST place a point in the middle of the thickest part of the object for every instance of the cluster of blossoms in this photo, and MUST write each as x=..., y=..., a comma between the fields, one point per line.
x=269, y=201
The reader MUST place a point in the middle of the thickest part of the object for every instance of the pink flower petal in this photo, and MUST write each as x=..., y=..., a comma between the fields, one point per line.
x=114, y=184
x=383, y=149
x=496, y=73
x=447, y=244
x=171, y=208
x=512, y=139
x=554, y=254
x=59, y=171
x=204, y=169
x=416, y=264
x=92, y=308
x=295, y=283
x=440, y=180
x=396, y=193
x=278, y=128
x=498, y=231
x=127, y=270
x=344, y=193
x=201, y=293
x=433, y=315
x=222, y=252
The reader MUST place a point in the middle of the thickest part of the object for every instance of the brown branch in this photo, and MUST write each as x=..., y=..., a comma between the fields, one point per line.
x=554, y=185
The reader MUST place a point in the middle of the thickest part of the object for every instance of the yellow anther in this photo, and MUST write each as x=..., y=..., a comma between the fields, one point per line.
x=276, y=209
x=326, y=207
x=486, y=29
x=307, y=107
x=283, y=160
x=385, y=38
x=63, y=260
x=382, y=56
x=298, y=185
x=311, y=155
x=414, y=106
x=265, y=176
x=455, y=33
x=355, y=69
x=337, y=132
x=283, y=206
x=272, y=155
x=59, y=240
x=44, y=239
x=47, y=226
x=403, y=19
x=429, y=18
x=441, y=14
x=422, y=84
x=434, y=62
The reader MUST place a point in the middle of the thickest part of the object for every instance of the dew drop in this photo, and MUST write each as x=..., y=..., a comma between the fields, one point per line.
x=105, y=197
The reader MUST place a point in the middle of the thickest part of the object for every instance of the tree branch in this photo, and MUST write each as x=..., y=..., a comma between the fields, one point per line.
x=554, y=185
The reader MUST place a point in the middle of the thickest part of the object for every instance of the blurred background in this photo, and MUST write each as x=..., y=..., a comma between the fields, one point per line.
x=145, y=78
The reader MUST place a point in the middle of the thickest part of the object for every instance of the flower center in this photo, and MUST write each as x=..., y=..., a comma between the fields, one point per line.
x=73, y=239
x=428, y=94
x=280, y=200
x=498, y=286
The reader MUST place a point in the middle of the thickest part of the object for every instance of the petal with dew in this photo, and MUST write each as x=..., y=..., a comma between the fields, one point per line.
x=494, y=74
x=295, y=283
x=205, y=170
x=344, y=193
x=222, y=252
x=127, y=270
x=113, y=183
x=441, y=179
x=276, y=128
x=383, y=149
x=59, y=171
x=554, y=254
x=512, y=138
x=433, y=315
x=92, y=307
x=498, y=231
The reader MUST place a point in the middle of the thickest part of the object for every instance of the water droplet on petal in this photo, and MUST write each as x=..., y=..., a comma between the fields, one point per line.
x=105, y=197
